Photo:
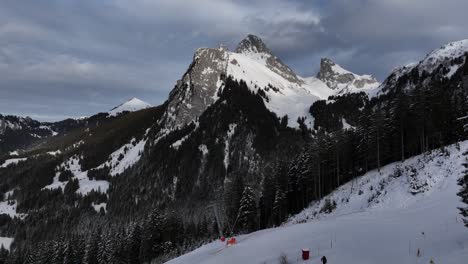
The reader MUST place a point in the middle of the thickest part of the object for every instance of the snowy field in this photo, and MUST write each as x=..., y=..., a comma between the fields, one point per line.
x=410, y=206
x=6, y=242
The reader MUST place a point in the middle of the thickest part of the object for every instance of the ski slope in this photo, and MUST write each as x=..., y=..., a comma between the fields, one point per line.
x=385, y=224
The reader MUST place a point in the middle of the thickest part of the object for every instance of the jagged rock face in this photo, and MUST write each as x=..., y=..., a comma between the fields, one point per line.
x=340, y=79
x=198, y=87
x=253, y=46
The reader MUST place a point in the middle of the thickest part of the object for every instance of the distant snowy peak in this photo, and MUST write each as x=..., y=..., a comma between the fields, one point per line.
x=444, y=55
x=131, y=105
x=447, y=59
x=344, y=81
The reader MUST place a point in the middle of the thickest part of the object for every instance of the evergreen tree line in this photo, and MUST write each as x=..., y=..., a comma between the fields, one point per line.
x=159, y=236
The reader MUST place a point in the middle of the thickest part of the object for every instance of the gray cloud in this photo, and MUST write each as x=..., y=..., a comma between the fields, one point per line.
x=71, y=58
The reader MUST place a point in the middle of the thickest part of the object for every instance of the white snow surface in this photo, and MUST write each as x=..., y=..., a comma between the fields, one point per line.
x=343, y=88
x=227, y=142
x=131, y=154
x=292, y=99
x=9, y=162
x=131, y=105
x=54, y=133
x=448, y=51
x=86, y=185
x=368, y=227
x=54, y=153
x=120, y=160
x=8, y=207
x=6, y=242
x=98, y=207
x=14, y=153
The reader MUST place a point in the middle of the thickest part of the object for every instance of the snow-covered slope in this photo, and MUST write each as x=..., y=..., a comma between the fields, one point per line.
x=283, y=97
x=446, y=60
x=381, y=217
x=131, y=105
x=9, y=162
x=444, y=54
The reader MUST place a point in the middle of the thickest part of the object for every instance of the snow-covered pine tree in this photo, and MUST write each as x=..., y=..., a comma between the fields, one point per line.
x=279, y=206
x=152, y=235
x=57, y=252
x=30, y=257
x=134, y=243
x=247, y=216
x=105, y=249
x=463, y=182
x=232, y=195
x=3, y=254
x=68, y=254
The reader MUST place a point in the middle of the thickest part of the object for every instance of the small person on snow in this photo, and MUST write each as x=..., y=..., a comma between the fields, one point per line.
x=418, y=254
x=324, y=260
x=432, y=261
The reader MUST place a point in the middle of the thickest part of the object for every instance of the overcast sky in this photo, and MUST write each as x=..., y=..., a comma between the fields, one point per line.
x=70, y=58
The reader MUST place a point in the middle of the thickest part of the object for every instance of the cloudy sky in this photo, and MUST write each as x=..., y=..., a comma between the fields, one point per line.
x=69, y=58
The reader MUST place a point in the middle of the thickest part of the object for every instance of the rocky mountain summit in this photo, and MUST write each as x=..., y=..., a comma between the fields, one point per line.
x=343, y=80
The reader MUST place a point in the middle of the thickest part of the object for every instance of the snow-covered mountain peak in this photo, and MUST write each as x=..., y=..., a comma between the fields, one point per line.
x=284, y=92
x=134, y=104
x=444, y=55
x=342, y=80
x=450, y=50
x=252, y=44
x=254, y=48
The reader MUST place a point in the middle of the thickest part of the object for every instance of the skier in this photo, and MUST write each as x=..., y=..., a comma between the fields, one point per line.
x=432, y=261
x=324, y=260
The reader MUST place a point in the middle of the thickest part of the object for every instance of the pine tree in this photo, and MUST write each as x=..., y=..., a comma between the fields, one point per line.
x=232, y=195
x=152, y=235
x=247, y=216
x=105, y=249
x=463, y=182
x=134, y=244
x=57, y=252
x=279, y=206
x=3, y=254
x=68, y=254
x=91, y=249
